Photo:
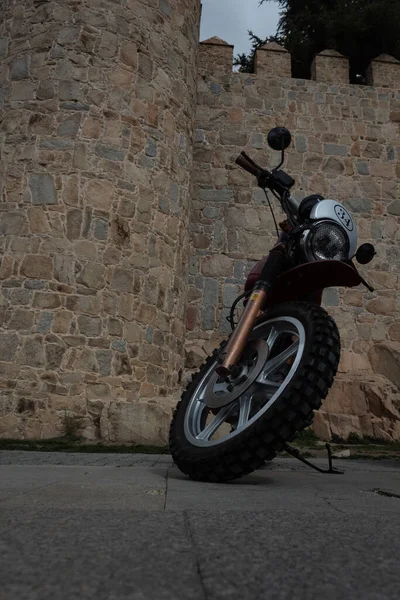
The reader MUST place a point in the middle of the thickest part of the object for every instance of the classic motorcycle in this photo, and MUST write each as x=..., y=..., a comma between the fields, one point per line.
x=261, y=386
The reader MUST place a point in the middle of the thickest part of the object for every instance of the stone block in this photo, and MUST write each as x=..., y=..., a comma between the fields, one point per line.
x=121, y=78
x=64, y=268
x=69, y=127
x=10, y=426
x=100, y=229
x=394, y=332
x=331, y=297
x=321, y=426
x=104, y=358
x=19, y=68
x=122, y=280
x=394, y=208
x=68, y=35
x=21, y=320
x=211, y=195
x=54, y=355
x=36, y=266
x=109, y=153
x=128, y=54
x=42, y=188
x=343, y=426
x=385, y=360
x=229, y=295
x=12, y=223
x=4, y=41
x=32, y=352
x=45, y=90
x=69, y=90
x=92, y=275
x=141, y=422
x=61, y=321
x=195, y=357
x=45, y=322
x=151, y=148
x=89, y=326
x=74, y=224
x=192, y=317
x=336, y=150
x=208, y=318
x=119, y=345
x=20, y=296
x=100, y=194
x=361, y=205
x=46, y=300
x=382, y=306
x=217, y=265
x=8, y=346
x=38, y=220
x=22, y=91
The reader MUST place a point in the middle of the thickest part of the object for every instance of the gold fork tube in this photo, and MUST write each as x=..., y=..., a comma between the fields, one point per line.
x=238, y=341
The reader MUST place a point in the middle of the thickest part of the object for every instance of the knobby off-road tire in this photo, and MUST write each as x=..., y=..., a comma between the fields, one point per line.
x=290, y=413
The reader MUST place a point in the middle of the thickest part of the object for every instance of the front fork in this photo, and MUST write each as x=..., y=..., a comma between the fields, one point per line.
x=237, y=343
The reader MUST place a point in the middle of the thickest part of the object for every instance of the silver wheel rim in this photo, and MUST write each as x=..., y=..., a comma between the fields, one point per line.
x=201, y=425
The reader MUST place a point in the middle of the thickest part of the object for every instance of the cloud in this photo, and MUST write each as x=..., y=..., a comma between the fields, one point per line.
x=232, y=19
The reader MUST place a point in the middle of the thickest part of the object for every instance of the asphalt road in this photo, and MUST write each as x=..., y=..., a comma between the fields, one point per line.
x=132, y=527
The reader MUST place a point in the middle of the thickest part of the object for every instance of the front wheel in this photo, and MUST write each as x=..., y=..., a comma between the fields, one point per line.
x=284, y=374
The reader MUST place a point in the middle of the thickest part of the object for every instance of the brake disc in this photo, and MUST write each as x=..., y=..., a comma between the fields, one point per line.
x=220, y=392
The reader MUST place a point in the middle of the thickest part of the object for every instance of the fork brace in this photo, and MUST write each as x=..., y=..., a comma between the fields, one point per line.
x=296, y=454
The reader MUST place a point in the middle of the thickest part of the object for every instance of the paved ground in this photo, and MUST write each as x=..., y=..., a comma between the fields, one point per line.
x=131, y=527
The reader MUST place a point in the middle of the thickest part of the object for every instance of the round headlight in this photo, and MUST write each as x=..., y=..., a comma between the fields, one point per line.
x=327, y=241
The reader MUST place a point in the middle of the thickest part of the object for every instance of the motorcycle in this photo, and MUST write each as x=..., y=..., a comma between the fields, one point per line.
x=261, y=387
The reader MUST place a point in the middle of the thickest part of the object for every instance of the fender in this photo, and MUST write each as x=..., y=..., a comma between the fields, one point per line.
x=312, y=278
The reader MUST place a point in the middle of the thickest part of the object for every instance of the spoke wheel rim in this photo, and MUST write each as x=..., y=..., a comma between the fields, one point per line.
x=243, y=410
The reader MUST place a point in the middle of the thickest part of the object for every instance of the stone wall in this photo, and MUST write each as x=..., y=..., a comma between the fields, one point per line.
x=345, y=146
x=96, y=125
x=102, y=294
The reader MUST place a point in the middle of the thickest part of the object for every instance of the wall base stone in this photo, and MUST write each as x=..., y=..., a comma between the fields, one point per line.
x=368, y=406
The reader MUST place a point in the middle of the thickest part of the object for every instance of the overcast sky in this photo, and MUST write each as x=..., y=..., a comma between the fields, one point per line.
x=232, y=19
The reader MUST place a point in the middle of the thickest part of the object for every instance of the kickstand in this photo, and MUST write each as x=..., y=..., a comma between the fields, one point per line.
x=296, y=454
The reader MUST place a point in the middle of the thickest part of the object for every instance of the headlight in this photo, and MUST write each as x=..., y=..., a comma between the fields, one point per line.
x=327, y=241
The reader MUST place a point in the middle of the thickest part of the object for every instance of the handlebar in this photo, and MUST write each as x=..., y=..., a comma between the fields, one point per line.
x=277, y=181
x=264, y=177
x=248, y=165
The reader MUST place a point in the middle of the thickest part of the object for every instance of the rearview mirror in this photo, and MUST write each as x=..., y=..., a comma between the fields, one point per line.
x=279, y=138
x=365, y=254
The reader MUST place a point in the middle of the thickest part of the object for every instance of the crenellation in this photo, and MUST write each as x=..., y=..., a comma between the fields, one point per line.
x=330, y=67
x=384, y=72
x=272, y=60
x=215, y=56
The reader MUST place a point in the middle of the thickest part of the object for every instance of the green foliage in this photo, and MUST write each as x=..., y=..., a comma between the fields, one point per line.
x=68, y=445
x=246, y=62
x=354, y=438
x=306, y=438
x=359, y=29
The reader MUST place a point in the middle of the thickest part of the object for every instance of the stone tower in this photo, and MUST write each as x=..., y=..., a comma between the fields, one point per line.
x=97, y=103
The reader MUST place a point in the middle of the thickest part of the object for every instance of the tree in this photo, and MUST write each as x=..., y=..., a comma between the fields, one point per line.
x=246, y=62
x=359, y=29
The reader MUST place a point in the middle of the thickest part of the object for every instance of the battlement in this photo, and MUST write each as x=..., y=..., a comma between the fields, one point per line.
x=272, y=60
x=215, y=56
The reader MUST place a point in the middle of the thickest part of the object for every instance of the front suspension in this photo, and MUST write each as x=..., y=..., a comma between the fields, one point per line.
x=234, y=349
